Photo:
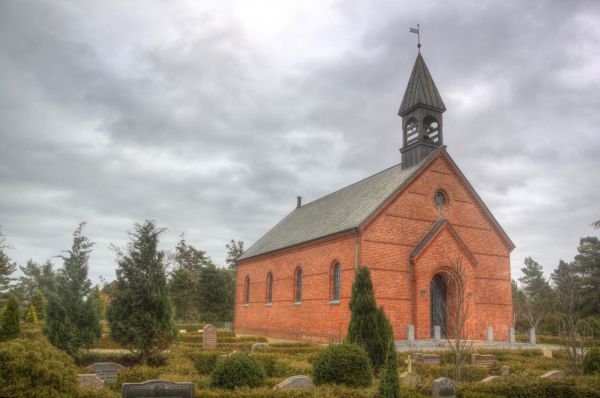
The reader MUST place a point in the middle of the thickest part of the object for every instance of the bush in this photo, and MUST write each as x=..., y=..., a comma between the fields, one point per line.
x=523, y=388
x=9, y=319
x=204, y=361
x=126, y=359
x=33, y=368
x=343, y=364
x=238, y=370
x=137, y=374
x=389, y=384
x=30, y=314
x=591, y=363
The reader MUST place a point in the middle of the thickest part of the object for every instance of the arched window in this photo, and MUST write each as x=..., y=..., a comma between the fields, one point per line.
x=298, y=285
x=336, y=276
x=247, y=290
x=269, y=288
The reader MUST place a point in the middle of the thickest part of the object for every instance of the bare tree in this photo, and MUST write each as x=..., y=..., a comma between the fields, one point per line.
x=456, y=310
x=596, y=224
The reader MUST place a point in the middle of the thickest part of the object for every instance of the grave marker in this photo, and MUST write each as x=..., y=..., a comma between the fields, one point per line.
x=554, y=374
x=209, y=339
x=487, y=361
x=106, y=371
x=294, y=382
x=547, y=352
x=157, y=389
x=430, y=359
x=90, y=382
x=443, y=387
x=259, y=347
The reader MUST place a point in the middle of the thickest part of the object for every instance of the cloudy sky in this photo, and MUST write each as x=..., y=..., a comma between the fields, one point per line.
x=211, y=117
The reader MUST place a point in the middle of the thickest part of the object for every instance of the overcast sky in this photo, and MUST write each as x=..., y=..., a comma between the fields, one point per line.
x=211, y=117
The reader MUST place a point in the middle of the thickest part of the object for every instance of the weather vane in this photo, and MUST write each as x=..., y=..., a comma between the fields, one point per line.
x=413, y=30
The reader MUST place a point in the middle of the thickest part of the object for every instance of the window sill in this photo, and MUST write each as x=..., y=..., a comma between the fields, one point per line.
x=269, y=305
x=334, y=302
x=246, y=305
x=297, y=303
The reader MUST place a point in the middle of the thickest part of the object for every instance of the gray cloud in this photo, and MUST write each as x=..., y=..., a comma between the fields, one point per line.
x=212, y=120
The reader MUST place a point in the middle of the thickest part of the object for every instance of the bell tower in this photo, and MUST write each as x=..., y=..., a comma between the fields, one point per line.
x=421, y=111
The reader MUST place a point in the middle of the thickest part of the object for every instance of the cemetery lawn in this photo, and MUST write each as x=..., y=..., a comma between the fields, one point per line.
x=187, y=361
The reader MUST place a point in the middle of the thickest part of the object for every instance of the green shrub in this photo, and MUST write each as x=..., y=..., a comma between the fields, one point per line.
x=591, y=363
x=238, y=370
x=274, y=366
x=137, y=374
x=204, y=361
x=9, y=319
x=343, y=364
x=33, y=368
x=126, y=359
x=30, y=314
x=524, y=388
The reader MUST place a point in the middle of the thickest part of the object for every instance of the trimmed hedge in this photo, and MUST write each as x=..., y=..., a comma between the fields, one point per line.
x=126, y=359
x=525, y=388
x=34, y=368
x=238, y=370
x=343, y=364
x=137, y=374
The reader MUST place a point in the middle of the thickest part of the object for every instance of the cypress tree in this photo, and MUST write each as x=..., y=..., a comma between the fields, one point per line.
x=389, y=384
x=9, y=319
x=140, y=314
x=71, y=318
x=369, y=327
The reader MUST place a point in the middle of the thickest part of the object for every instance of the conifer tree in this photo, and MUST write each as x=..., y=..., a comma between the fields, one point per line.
x=9, y=319
x=389, y=384
x=6, y=269
x=39, y=302
x=140, y=311
x=369, y=327
x=30, y=314
x=71, y=319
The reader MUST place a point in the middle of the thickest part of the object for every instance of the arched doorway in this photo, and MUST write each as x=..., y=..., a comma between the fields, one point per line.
x=437, y=303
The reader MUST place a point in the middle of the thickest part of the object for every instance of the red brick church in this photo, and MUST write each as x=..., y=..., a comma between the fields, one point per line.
x=403, y=223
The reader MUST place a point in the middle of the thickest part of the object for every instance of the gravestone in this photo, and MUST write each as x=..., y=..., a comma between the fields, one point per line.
x=547, y=352
x=182, y=331
x=511, y=336
x=89, y=382
x=294, y=382
x=532, y=339
x=554, y=374
x=410, y=333
x=259, y=347
x=443, y=387
x=106, y=371
x=157, y=389
x=430, y=359
x=490, y=335
x=487, y=361
x=505, y=370
x=437, y=334
x=209, y=336
x=410, y=379
x=490, y=378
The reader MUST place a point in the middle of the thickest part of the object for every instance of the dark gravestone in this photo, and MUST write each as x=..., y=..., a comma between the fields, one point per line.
x=430, y=359
x=106, y=371
x=487, y=361
x=157, y=389
x=443, y=387
x=209, y=336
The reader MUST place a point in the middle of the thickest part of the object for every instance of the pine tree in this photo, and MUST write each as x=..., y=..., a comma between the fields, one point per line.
x=389, y=383
x=30, y=314
x=140, y=311
x=6, y=269
x=9, y=319
x=369, y=327
x=71, y=320
x=537, y=292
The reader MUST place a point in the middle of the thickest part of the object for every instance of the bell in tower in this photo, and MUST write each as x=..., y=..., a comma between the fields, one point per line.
x=421, y=111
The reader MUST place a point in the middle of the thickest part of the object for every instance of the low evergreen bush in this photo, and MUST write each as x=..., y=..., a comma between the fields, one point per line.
x=9, y=319
x=33, y=368
x=238, y=370
x=591, y=362
x=204, y=361
x=343, y=364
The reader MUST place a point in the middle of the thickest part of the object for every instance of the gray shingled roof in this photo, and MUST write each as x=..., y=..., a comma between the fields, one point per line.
x=421, y=90
x=337, y=212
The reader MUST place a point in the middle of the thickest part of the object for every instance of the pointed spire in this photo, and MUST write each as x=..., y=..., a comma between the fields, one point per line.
x=421, y=90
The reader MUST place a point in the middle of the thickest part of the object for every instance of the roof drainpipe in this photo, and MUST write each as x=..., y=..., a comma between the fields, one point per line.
x=356, y=233
x=298, y=202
